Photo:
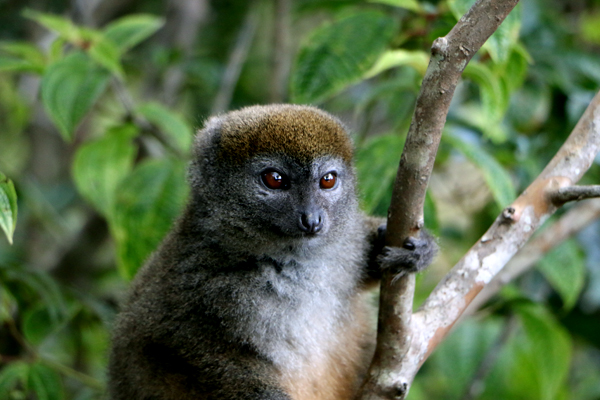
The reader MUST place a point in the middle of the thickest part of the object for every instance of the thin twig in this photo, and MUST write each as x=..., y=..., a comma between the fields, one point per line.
x=281, y=50
x=237, y=59
x=574, y=193
x=33, y=354
x=70, y=372
x=184, y=21
x=128, y=104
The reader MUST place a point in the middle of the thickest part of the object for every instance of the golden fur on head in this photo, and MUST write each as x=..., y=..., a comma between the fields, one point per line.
x=302, y=132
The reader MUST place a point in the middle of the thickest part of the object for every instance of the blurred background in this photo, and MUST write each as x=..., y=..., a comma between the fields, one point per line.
x=99, y=100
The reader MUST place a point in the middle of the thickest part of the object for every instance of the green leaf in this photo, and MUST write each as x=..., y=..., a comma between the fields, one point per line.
x=8, y=64
x=460, y=7
x=99, y=166
x=63, y=26
x=105, y=53
x=41, y=284
x=338, y=54
x=179, y=133
x=469, y=343
x=128, y=31
x=496, y=177
x=377, y=163
x=147, y=203
x=474, y=115
x=534, y=362
x=23, y=56
x=12, y=375
x=499, y=45
x=8, y=207
x=589, y=26
x=45, y=382
x=494, y=100
x=515, y=69
x=55, y=52
x=564, y=268
x=431, y=214
x=70, y=87
x=396, y=58
x=24, y=50
x=8, y=303
x=530, y=107
x=412, y=5
x=546, y=352
x=38, y=323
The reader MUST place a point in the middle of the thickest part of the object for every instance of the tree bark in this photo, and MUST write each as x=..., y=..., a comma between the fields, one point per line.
x=572, y=222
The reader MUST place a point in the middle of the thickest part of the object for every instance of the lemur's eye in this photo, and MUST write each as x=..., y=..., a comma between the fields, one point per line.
x=328, y=180
x=274, y=180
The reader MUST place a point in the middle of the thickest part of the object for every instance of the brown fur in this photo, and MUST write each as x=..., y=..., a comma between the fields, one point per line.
x=303, y=132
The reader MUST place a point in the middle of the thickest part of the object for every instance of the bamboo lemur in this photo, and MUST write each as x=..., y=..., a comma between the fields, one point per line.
x=258, y=291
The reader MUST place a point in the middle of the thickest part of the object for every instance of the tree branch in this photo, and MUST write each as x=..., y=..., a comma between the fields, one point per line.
x=510, y=231
x=573, y=221
x=574, y=193
x=450, y=56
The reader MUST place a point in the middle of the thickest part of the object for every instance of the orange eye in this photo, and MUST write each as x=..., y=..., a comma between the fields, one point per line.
x=274, y=180
x=328, y=180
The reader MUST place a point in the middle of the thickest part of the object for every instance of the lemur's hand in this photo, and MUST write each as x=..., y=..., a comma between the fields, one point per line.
x=414, y=255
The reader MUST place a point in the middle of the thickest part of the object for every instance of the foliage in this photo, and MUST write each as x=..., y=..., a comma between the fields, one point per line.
x=69, y=89
x=8, y=207
x=96, y=125
x=337, y=55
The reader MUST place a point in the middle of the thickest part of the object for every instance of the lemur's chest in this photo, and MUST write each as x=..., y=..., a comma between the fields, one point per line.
x=312, y=326
x=334, y=365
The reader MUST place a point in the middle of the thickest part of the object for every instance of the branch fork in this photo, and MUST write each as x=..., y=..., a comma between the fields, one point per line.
x=405, y=340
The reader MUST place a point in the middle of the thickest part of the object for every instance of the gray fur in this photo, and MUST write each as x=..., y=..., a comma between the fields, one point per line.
x=237, y=300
